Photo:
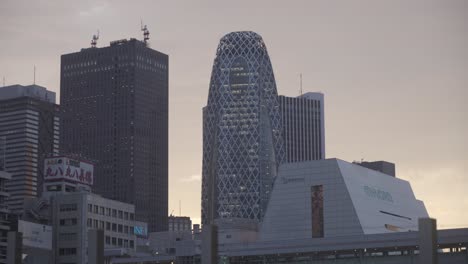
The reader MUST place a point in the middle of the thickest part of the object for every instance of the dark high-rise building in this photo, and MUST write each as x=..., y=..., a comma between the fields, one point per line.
x=4, y=212
x=29, y=123
x=303, y=127
x=242, y=142
x=115, y=114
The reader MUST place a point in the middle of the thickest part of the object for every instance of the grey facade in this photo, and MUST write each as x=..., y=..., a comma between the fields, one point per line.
x=115, y=114
x=382, y=166
x=180, y=223
x=242, y=142
x=303, y=127
x=29, y=122
x=74, y=214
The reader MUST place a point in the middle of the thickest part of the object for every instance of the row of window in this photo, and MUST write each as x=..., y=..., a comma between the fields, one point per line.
x=101, y=210
x=108, y=226
x=119, y=242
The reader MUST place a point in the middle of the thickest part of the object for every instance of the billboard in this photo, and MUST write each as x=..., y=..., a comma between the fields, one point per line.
x=69, y=169
x=140, y=229
x=35, y=235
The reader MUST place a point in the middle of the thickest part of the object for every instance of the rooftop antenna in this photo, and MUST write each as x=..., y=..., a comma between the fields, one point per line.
x=94, y=40
x=300, y=87
x=145, y=32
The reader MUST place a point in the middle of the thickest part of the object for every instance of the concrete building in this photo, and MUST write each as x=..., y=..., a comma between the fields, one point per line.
x=303, y=127
x=29, y=121
x=4, y=212
x=74, y=214
x=114, y=104
x=242, y=141
x=382, y=166
x=180, y=223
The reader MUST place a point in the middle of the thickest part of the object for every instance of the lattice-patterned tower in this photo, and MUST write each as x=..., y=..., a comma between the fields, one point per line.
x=242, y=132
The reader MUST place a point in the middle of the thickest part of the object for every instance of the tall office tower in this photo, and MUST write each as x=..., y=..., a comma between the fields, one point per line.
x=30, y=124
x=303, y=127
x=242, y=142
x=4, y=223
x=115, y=114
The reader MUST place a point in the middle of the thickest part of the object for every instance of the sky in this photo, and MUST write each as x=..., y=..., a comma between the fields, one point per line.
x=394, y=74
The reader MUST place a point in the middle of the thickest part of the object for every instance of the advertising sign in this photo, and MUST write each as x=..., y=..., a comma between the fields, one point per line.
x=70, y=169
x=35, y=235
x=140, y=229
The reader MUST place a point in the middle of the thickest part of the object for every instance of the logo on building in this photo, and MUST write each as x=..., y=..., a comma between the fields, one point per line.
x=378, y=194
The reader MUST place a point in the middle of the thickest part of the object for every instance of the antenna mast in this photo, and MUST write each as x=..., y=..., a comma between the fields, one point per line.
x=94, y=40
x=145, y=33
x=300, y=87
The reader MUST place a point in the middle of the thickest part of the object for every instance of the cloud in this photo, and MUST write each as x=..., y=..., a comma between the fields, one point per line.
x=192, y=178
x=95, y=10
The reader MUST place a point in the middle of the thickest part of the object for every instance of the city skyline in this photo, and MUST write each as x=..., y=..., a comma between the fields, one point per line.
x=393, y=75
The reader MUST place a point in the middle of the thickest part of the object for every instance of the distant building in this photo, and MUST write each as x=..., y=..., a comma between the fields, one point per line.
x=114, y=103
x=29, y=121
x=4, y=212
x=179, y=223
x=242, y=131
x=303, y=127
x=382, y=166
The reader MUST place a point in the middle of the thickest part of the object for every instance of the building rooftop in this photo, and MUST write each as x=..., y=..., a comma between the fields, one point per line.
x=33, y=91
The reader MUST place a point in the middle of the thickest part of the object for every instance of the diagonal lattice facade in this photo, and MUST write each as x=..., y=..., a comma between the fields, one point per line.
x=242, y=131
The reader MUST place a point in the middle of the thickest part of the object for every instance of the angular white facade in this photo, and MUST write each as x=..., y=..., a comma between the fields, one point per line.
x=354, y=201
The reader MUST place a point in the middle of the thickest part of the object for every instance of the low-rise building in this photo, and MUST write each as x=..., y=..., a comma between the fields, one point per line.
x=179, y=223
x=74, y=214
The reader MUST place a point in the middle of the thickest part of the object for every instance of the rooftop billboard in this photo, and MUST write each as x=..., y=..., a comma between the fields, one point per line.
x=70, y=169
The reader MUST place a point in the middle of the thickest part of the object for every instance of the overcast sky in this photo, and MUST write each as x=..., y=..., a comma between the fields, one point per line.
x=394, y=74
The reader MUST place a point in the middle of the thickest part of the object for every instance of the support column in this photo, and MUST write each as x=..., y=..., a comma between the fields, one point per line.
x=427, y=241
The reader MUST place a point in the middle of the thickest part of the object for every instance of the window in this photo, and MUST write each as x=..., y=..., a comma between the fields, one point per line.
x=96, y=223
x=125, y=229
x=114, y=227
x=317, y=210
x=120, y=242
x=108, y=211
x=101, y=225
x=54, y=188
x=108, y=226
x=131, y=216
x=130, y=230
x=101, y=210
x=114, y=213
x=90, y=208
x=96, y=209
x=68, y=236
x=131, y=243
x=68, y=207
x=108, y=241
x=126, y=215
x=114, y=241
x=67, y=251
x=120, y=214
x=90, y=222
x=68, y=222
x=120, y=229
